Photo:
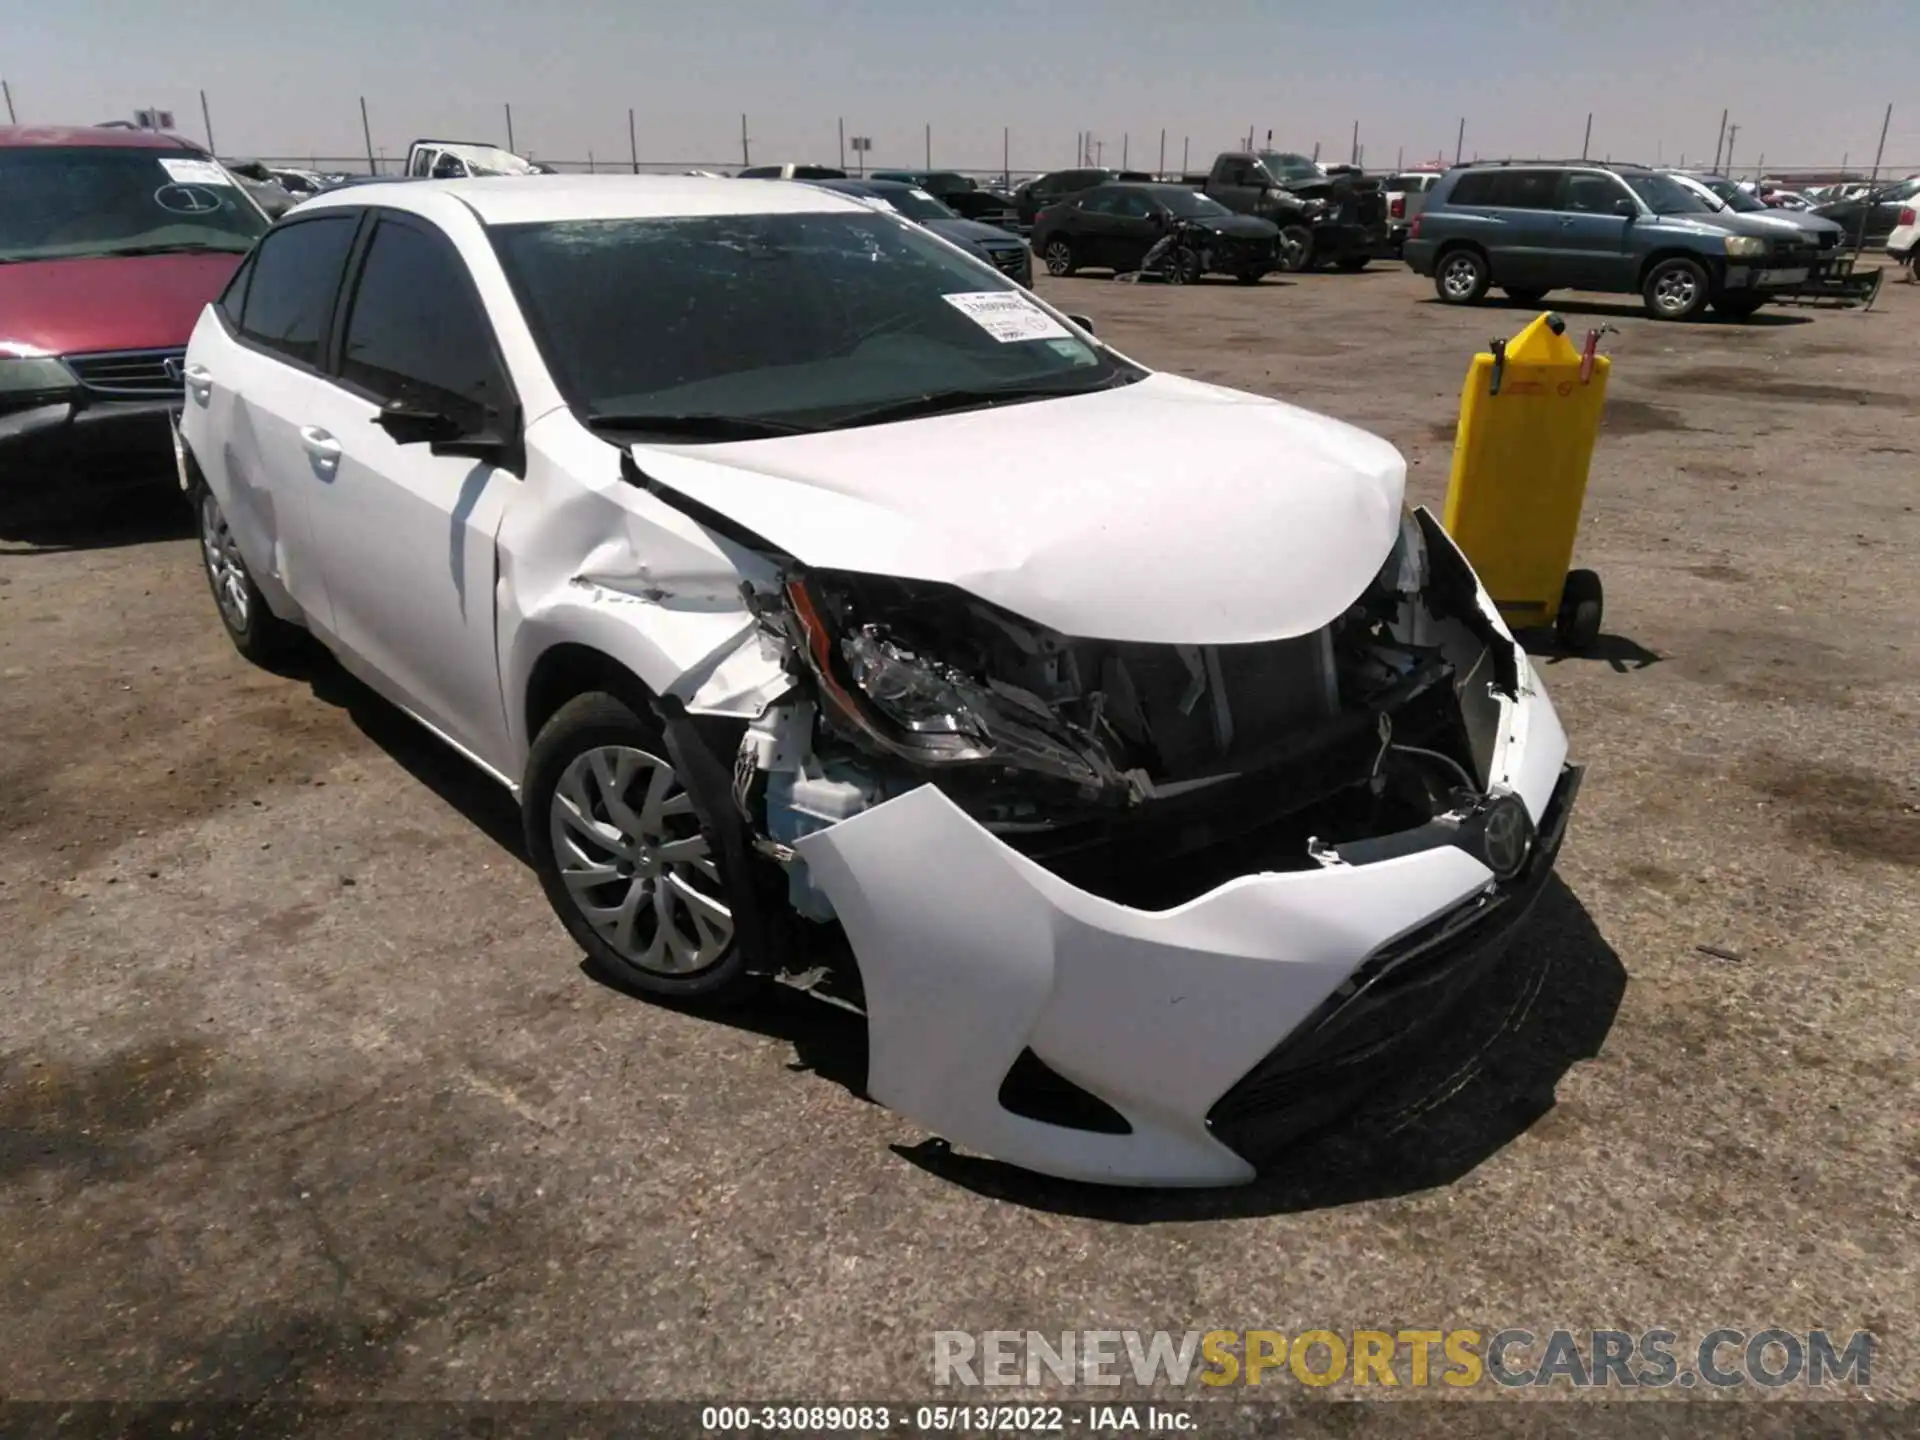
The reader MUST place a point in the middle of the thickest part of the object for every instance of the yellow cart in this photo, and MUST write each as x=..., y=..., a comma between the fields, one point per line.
x=1529, y=413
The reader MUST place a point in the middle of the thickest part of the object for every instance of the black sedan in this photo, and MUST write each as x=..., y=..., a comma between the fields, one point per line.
x=1005, y=251
x=1111, y=227
x=962, y=194
x=1880, y=210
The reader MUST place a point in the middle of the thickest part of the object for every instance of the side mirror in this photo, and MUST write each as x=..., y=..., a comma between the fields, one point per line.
x=1626, y=209
x=1083, y=322
x=414, y=425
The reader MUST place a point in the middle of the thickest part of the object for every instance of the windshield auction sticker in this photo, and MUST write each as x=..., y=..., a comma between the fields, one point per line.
x=1007, y=315
x=194, y=172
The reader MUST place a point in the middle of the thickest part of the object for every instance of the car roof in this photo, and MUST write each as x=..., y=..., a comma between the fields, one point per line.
x=869, y=186
x=69, y=136
x=513, y=200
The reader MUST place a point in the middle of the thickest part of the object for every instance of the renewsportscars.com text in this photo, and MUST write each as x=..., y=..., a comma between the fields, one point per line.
x=1596, y=1359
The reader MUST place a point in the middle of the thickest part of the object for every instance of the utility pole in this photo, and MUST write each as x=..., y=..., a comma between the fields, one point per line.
x=843, y=142
x=633, y=142
x=206, y=117
x=367, y=131
x=13, y=119
x=1718, y=143
x=510, y=127
x=1588, y=138
x=1356, y=142
x=1400, y=158
x=1185, y=141
x=1860, y=237
x=1733, y=132
x=929, y=145
x=745, y=158
x=1163, y=150
x=1006, y=158
x=1126, y=138
x=1460, y=140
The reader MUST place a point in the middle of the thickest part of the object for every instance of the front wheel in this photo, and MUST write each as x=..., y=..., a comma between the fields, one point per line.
x=1183, y=267
x=1739, y=307
x=1676, y=289
x=1296, y=247
x=625, y=857
x=1058, y=253
x=1461, y=277
x=256, y=632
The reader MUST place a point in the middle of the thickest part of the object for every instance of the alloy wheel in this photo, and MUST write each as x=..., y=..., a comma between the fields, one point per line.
x=636, y=866
x=1460, y=277
x=1059, y=257
x=225, y=568
x=1676, y=291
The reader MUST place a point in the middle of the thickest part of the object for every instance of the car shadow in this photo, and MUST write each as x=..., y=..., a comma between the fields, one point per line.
x=1630, y=310
x=51, y=515
x=1615, y=650
x=1549, y=1004
x=428, y=759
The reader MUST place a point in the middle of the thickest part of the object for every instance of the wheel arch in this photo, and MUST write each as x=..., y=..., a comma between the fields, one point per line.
x=568, y=668
x=1680, y=252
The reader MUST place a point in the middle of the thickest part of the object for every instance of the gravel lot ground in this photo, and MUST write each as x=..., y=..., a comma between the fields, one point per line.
x=305, y=1093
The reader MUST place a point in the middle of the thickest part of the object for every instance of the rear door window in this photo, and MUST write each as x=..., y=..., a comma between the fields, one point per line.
x=1589, y=194
x=295, y=278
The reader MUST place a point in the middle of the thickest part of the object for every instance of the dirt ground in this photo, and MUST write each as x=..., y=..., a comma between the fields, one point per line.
x=305, y=1093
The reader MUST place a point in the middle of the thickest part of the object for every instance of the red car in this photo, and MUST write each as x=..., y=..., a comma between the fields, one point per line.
x=111, y=244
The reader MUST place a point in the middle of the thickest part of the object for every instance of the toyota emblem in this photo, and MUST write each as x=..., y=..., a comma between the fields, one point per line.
x=1507, y=837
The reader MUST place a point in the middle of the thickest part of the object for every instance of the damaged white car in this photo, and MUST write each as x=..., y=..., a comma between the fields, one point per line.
x=805, y=577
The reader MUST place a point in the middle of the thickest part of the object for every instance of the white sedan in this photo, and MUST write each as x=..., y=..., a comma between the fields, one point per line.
x=801, y=574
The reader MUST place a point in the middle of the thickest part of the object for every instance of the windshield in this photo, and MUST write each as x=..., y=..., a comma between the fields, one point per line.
x=1734, y=197
x=1665, y=195
x=791, y=320
x=1190, y=204
x=1286, y=168
x=915, y=204
x=61, y=202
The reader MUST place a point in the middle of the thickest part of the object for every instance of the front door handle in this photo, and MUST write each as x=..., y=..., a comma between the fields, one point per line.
x=324, y=449
x=199, y=380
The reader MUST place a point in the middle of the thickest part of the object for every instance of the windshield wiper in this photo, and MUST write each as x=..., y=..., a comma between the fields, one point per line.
x=696, y=426
x=946, y=402
x=196, y=247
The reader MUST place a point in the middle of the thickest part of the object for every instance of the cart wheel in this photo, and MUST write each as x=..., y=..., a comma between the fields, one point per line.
x=1581, y=602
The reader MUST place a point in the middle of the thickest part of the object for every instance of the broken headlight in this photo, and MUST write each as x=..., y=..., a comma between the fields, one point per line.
x=925, y=709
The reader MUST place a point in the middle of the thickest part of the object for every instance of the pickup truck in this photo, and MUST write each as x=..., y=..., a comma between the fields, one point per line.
x=1338, y=220
x=459, y=159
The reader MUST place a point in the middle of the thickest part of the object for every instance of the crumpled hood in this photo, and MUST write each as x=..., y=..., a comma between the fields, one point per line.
x=1165, y=512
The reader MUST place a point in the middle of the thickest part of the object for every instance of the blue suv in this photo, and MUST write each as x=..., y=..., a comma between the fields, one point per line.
x=1531, y=228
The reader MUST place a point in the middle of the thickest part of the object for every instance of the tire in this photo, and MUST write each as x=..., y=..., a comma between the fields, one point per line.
x=1059, y=257
x=1581, y=606
x=1676, y=289
x=601, y=799
x=1738, y=307
x=1183, y=267
x=1460, y=277
x=1352, y=264
x=1523, y=297
x=1295, y=247
x=257, y=633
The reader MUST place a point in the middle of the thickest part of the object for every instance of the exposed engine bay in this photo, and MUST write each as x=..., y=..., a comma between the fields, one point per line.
x=1147, y=774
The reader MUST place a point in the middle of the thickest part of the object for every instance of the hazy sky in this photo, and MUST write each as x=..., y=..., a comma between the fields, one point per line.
x=1806, y=82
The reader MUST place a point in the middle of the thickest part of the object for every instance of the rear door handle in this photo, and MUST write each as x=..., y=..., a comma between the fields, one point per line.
x=324, y=449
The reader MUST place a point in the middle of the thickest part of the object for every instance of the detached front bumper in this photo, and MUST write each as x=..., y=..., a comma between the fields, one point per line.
x=978, y=961
x=62, y=435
